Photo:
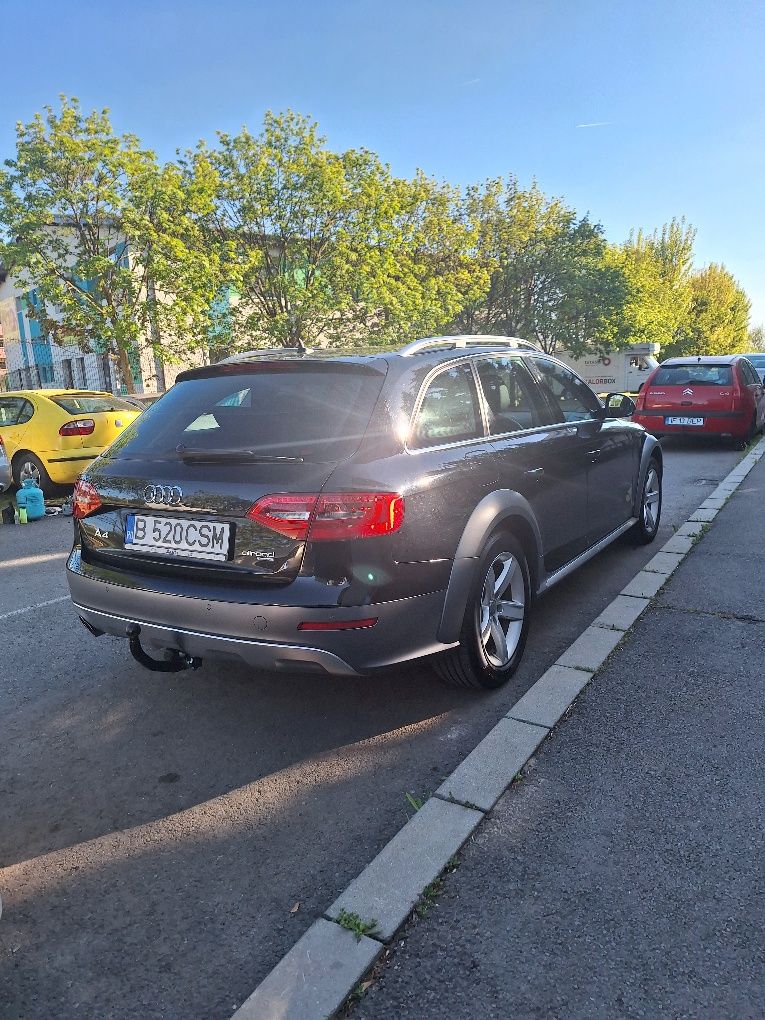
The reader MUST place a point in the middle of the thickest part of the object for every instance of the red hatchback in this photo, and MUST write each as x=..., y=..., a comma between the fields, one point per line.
x=703, y=396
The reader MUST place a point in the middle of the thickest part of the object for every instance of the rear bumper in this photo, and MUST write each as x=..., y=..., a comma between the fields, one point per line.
x=715, y=424
x=64, y=466
x=263, y=636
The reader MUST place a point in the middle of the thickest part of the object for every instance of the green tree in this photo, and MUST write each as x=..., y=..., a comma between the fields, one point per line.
x=326, y=247
x=107, y=237
x=718, y=320
x=757, y=338
x=551, y=279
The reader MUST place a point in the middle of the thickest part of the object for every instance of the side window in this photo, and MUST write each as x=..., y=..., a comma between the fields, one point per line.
x=26, y=412
x=509, y=393
x=570, y=398
x=449, y=410
x=750, y=376
x=10, y=410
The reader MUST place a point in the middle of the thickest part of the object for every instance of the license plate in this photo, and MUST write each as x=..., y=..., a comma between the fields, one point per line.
x=172, y=536
x=683, y=421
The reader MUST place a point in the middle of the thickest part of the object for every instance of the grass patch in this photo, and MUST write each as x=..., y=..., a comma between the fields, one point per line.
x=353, y=923
x=433, y=890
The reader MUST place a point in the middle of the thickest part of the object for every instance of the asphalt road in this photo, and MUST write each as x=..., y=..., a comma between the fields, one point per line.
x=157, y=833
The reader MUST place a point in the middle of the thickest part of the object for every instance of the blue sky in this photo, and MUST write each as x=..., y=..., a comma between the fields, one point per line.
x=674, y=93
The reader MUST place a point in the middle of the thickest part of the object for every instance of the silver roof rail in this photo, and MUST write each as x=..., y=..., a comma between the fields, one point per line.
x=429, y=343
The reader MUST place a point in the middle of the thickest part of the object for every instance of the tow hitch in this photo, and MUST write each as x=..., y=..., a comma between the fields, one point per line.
x=177, y=662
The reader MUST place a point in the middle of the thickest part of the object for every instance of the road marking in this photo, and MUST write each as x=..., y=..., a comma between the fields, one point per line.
x=28, y=561
x=40, y=605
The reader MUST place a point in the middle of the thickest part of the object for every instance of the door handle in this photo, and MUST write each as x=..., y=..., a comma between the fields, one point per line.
x=536, y=473
x=594, y=456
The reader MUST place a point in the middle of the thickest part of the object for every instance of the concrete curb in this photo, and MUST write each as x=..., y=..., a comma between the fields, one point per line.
x=323, y=967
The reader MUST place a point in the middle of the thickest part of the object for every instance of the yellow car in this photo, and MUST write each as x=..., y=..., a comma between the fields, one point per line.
x=52, y=435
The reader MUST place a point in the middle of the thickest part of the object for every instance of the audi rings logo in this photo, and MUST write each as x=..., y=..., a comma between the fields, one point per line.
x=166, y=495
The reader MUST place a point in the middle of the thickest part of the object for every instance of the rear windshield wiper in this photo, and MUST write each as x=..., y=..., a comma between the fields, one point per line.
x=198, y=455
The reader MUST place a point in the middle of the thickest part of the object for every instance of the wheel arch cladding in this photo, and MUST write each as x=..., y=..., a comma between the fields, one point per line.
x=500, y=511
x=651, y=449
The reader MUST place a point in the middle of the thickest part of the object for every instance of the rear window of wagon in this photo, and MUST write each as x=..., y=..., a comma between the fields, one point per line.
x=317, y=412
x=700, y=374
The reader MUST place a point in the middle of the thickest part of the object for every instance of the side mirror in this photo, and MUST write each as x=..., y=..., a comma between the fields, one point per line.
x=619, y=405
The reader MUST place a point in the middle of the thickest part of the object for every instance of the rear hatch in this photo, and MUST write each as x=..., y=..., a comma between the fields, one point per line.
x=691, y=390
x=95, y=419
x=177, y=486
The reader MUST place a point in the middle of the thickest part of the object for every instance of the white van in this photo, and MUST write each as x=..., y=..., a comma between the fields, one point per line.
x=622, y=371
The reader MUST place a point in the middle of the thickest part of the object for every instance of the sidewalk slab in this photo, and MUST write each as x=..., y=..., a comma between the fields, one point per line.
x=552, y=694
x=690, y=529
x=313, y=979
x=489, y=769
x=645, y=584
x=704, y=515
x=664, y=562
x=390, y=885
x=621, y=613
x=591, y=649
x=679, y=544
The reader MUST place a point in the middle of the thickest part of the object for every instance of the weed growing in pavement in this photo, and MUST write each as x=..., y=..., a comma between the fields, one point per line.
x=428, y=896
x=433, y=890
x=359, y=992
x=414, y=802
x=352, y=922
x=705, y=527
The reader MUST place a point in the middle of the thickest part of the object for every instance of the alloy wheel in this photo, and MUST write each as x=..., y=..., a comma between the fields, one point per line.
x=501, y=610
x=29, y=470
x=651, y=496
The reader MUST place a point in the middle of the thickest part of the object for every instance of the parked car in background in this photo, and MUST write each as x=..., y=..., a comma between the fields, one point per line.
x=338, y=514
x=757, y=360
x=6, y=478
x=625, y=370
x=720, y=396
x=52, y=435
x=143, y=400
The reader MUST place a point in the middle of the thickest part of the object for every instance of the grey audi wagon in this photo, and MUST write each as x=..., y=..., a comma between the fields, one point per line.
x=343, y=513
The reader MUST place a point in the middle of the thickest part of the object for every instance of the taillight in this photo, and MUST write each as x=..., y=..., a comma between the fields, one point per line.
x=342, y=515
x=80, y=427
x=640, y=400
x=85, y=499
x=290, y=515
x=330, y=516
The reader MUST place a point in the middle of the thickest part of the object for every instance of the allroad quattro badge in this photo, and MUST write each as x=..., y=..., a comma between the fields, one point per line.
x=163, y=495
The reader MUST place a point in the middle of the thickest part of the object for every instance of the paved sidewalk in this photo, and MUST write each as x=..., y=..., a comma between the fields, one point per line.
x=624, y=876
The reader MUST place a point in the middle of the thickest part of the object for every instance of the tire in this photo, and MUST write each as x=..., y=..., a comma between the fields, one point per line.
x=480, y=662
x=741, y=442
x=647, y=526
x=26, y=465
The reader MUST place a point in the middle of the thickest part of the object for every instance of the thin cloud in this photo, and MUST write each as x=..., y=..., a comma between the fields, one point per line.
x=470, y=81
x=595, y=123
